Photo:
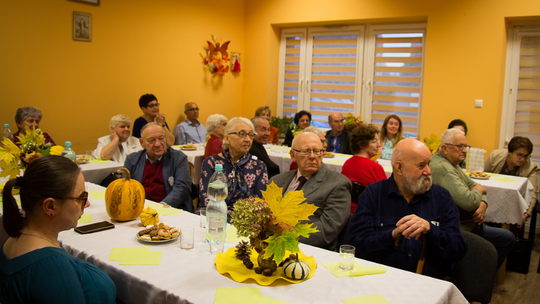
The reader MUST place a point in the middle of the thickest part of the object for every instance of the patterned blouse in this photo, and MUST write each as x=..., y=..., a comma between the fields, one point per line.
x=387, y=149
x=255, y=178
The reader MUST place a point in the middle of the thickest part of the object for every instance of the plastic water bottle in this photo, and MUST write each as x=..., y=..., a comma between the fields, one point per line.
x=406, y=135
x=6, y=133
x=68, y=152
x=216, y=211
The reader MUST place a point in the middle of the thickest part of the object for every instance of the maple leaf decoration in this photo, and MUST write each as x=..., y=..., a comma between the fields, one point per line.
x=289, y=209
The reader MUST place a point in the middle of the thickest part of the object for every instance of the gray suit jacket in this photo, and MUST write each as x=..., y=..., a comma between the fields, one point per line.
x=331, y=192
x=176, y=176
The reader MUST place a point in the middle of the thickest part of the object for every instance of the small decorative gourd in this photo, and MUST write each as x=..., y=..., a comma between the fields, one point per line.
x=124, y=198
x=296, y=269
x=149, y=216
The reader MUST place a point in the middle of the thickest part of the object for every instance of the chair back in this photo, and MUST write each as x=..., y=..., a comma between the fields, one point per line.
x=356, y=190
x=194, y=188
x=475, y=274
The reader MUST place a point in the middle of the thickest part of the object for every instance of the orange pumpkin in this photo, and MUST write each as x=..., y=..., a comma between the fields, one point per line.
x=124, y=198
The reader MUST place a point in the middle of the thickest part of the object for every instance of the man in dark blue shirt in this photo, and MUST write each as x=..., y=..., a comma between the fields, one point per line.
x=409, y=204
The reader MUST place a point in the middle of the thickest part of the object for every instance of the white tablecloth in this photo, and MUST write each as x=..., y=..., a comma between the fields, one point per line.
x=191, y=277
x=96, y=172
x=195, y=158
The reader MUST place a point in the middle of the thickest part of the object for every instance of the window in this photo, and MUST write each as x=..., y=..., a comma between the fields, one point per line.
x=347, y=69
x=521, y=103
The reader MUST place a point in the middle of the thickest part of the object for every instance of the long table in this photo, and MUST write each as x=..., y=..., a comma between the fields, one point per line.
x=191, y=277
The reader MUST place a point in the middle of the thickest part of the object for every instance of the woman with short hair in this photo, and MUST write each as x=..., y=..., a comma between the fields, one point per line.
x=516, y=160
x=246, y=175
x=391, y=134
x=215, y=127
x=365, y=144
x=301, y=121
x=119, y=144
x=31, y=117
x=34, y=268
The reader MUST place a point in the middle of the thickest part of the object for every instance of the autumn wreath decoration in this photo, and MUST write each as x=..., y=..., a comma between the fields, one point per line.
x=216, y=59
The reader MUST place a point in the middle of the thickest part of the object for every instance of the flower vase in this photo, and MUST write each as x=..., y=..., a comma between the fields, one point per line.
x=267, y=263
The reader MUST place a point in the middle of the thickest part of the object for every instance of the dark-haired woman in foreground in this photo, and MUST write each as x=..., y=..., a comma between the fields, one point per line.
x=33, y=266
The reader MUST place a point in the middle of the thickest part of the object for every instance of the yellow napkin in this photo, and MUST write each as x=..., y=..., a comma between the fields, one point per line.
x=387, y=169
x=99, y=161
x=136, y=258
x=85, y=218
x=343, y=155
x=337, y=162
x=504, y=180
x=371, y=299
x=97, y=194
x=118, y=252
x=243, y=295
x=163, y=209
x=232, y=236
x=177, y=146
x=358, y=270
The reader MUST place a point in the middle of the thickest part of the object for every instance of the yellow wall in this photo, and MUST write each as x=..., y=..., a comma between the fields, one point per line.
x=153, y=46
x=465, y=52
x=137, y=47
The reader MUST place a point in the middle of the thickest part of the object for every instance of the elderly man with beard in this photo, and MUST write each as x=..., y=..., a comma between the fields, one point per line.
x=407, y=203
x=469, y=196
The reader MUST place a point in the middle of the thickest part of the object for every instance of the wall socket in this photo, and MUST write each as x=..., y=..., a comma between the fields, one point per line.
x=478, y=103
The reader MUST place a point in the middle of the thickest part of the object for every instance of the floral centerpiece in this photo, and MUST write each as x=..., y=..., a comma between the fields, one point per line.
x=273, y=224
x=433, y=143
x=13, y=158
x=352, y=122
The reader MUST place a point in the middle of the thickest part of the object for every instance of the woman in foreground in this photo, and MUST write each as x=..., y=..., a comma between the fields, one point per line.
x=33, y=266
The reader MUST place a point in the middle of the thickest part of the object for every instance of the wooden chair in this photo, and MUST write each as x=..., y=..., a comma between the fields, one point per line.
x=194, y=188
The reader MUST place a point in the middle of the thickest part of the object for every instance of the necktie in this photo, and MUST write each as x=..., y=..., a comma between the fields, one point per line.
x=302, y=181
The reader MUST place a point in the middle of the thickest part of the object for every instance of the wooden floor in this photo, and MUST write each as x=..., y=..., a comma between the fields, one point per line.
x=520, y=288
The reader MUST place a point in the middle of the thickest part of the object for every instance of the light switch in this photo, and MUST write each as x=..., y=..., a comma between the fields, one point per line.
x=478, y=103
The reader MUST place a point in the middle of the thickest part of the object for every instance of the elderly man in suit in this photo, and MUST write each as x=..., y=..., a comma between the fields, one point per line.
x=338, y=140
x=163, y=171
x=326, y=189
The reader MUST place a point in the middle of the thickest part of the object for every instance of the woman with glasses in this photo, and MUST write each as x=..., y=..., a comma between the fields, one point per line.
x=516, y=160
x=301, y=121
x=33, y=266
x=246, y=176
x=150, y=107
x=365, y=144
x=215, y=127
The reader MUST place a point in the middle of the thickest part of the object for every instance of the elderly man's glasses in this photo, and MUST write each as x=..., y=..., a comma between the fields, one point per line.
x=520, y=156
x=307, y=152
x=243, y=134
x=461, y=147
x=193, y=109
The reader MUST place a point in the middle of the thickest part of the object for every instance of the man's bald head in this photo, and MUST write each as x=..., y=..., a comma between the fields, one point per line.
x=410, y=165
x=408, y=148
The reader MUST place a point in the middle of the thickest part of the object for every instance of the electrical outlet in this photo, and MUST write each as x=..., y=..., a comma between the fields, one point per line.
x=478, y=103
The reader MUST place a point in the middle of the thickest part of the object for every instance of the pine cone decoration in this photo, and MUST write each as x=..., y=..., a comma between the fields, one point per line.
x=243, y=250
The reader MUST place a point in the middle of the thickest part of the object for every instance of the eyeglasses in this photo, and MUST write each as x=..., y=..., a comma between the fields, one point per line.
x=307, y=152
x=243, y=134
x=520, y=156
x=193, y=109
x=82, y=199
x=461, y=147
x=223, y=124
x=153, y=105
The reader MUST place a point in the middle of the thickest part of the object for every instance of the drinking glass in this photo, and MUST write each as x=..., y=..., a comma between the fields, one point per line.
x=346, y=257
x=187, y=238
x=202, y=217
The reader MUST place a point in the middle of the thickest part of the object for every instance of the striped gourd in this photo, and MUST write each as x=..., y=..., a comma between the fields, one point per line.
x=124, y=198
x=296, y=269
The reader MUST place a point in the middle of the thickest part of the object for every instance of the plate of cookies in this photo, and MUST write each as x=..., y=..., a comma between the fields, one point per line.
x=329, y=155
x=158, y=234
x=479, y=175
x=189, y=147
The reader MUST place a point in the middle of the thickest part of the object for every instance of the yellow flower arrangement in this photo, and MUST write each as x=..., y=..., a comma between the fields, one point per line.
x=12, y=158
x=432, y=142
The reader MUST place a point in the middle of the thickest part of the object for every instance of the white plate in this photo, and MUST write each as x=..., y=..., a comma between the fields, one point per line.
x=480, y=178
x=329, y=156
x=189, y=149
x=82, y=162
x=154, y=242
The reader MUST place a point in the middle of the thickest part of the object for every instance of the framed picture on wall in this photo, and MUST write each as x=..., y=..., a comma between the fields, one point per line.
x=94, y=2
x=82, y=26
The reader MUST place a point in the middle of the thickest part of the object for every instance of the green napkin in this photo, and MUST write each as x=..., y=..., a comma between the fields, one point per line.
x=371, y=299
x=99, y=161
x=163, y=209
x=85, y=218
x=232, y=236
x=97, y=194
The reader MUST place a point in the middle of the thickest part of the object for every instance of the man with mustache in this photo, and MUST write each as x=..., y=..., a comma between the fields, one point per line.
x=469, y=196
x=408, y=204
x=163, y=171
